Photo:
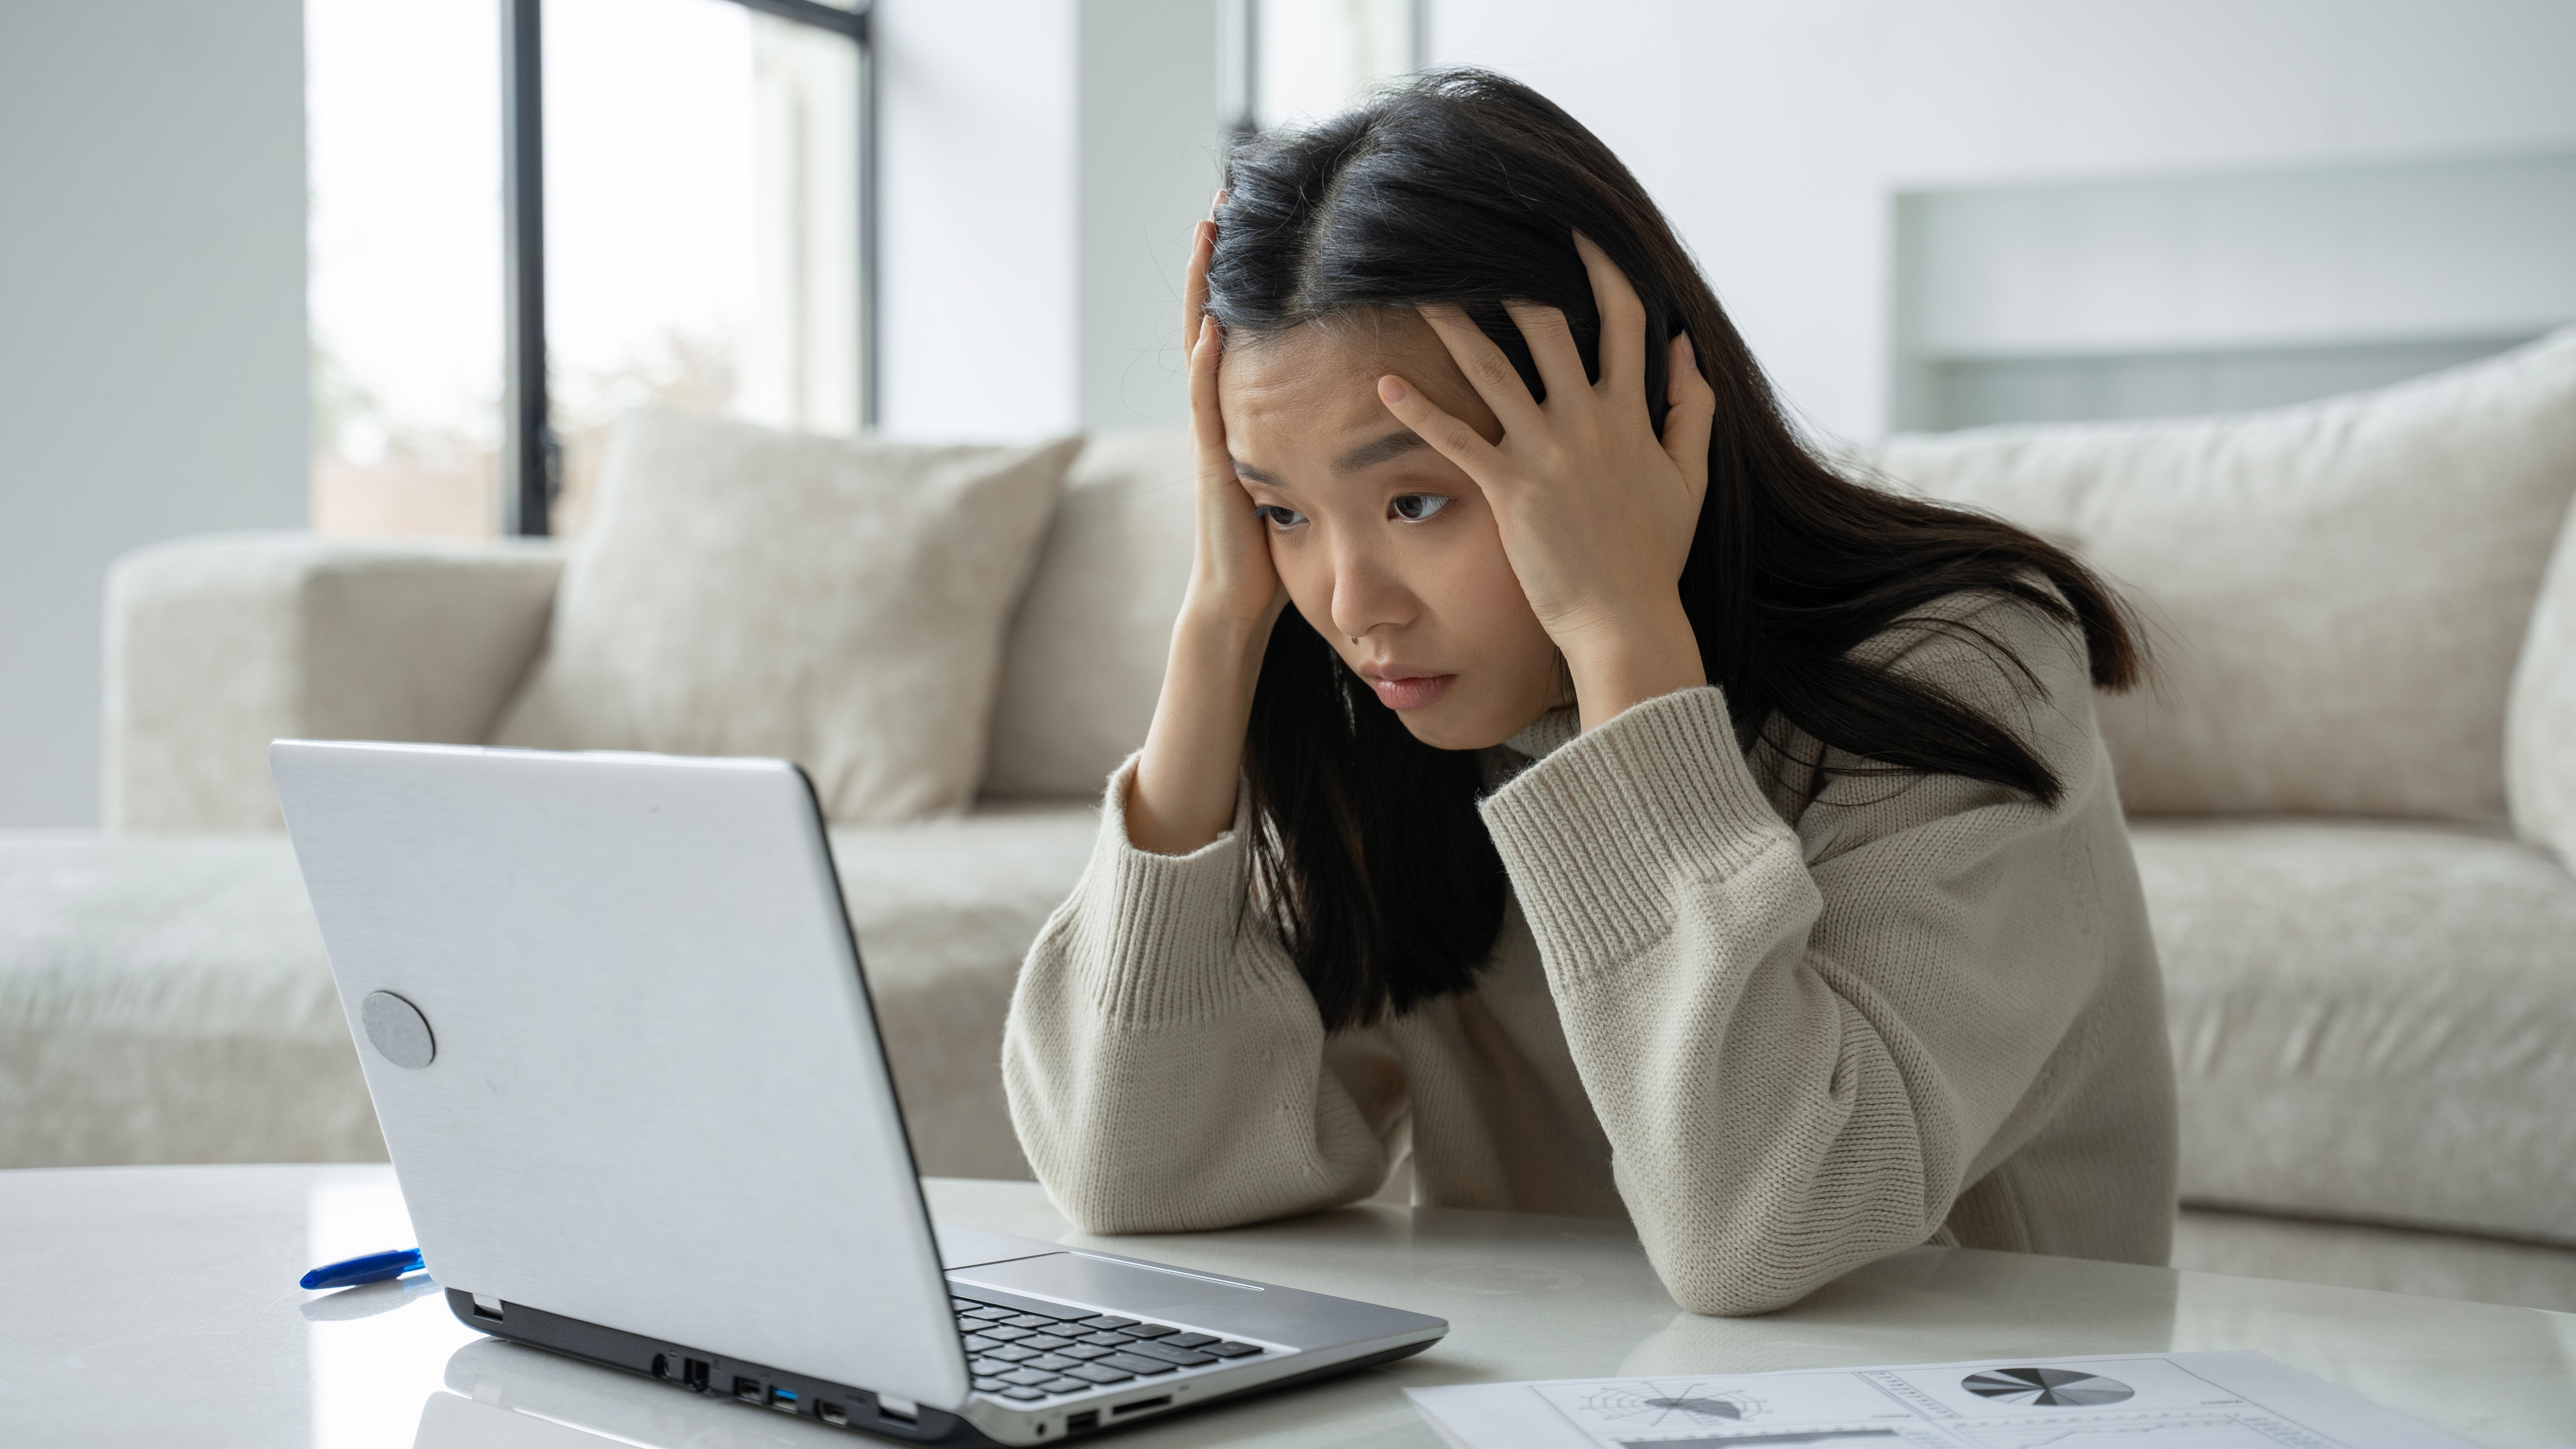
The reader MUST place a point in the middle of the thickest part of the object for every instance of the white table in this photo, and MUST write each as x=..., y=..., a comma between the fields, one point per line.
x=157, y=1306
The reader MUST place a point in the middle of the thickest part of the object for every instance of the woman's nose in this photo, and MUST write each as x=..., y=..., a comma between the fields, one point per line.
x=1367, y=595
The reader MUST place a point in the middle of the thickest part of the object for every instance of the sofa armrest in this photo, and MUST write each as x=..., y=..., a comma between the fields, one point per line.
x=217, y=645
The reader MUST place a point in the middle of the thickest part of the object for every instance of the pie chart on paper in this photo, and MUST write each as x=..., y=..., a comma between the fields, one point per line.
x=2052, y=1387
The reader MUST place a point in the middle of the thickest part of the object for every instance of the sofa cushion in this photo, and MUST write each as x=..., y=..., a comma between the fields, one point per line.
x=1085, y=657
x=2336, y=592
x=168, y=999
x=839, y=603
x=2370, y=1020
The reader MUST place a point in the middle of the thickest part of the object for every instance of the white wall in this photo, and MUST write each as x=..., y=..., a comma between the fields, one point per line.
x=1150, y=164
x=152, y=350
x=1778, y=134
x=976, y=194
x=1042, y=162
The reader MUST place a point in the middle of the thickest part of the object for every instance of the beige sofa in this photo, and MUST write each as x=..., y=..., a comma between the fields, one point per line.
x=2368, y=929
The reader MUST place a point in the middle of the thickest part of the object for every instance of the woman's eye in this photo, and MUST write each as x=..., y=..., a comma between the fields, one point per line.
x=1415, y=507
x=1278, y=517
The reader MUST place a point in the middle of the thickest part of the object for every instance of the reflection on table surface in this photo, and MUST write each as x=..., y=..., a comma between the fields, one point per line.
x=157, y=1306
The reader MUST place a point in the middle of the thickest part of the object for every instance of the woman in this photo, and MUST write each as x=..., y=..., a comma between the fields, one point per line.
x=1564, y=777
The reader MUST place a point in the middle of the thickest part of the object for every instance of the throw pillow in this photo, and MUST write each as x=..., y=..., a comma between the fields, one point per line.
x=2540, y=723
x=2336, y=592
x=1086, y=652
x=836, y=602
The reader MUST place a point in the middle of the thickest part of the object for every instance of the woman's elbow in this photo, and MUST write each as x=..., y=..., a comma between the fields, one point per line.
x=1724, y=1284
x=1733, y=1295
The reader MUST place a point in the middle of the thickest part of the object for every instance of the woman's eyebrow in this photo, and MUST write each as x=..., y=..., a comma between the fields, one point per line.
x=1243, y=469
x=1369, y=455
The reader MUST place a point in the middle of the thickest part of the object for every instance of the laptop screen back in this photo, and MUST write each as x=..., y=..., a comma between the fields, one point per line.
x=654, y=1096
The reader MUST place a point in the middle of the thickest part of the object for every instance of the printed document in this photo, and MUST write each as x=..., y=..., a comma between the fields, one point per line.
x=2238, y=1400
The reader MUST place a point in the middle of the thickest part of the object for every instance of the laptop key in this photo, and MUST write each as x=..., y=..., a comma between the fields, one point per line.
x=1088, y=1351
x=1054, y=1363
x=1134, y=1365
x=1190, y=1340
x=1013, y=1354
x=1106, y=1339
x=1099, y=1373
x=1026, y=1376
x=992, y=1366
x=1030, y=1320
x=1149, y=1330
x=1185, y=1357
x=999, y=1334
x=1023, y=1393
x=1105, y=1321
x=988, y=1313
x=1044, y=1342
x=1065, y=1386
x=978, y=1343
x=1231, y=1349
x=986, y=1383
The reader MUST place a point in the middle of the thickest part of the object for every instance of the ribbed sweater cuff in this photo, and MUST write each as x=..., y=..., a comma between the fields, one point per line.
x=1597, y=835
x=1162, y=927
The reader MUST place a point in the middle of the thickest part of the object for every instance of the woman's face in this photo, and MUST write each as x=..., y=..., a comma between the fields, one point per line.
x=1387, y=548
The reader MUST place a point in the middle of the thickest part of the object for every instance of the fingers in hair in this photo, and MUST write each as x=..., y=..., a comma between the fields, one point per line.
x=1623, y=323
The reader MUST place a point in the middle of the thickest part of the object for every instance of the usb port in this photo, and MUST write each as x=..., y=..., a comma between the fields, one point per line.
x=782, y=1398
x=693, y=1372
x=1082, y=1423
x=748, y=1389
x=1142, y=1405
x=831, y=1413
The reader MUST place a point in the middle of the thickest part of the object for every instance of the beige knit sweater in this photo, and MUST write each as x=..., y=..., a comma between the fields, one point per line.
x=1927, y=1011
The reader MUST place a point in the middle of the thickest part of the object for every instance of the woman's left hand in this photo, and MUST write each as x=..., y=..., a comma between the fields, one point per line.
x=1596, y=512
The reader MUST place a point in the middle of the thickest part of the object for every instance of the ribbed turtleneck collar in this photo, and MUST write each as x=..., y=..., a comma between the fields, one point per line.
x=1543, y=737
x=1547, y=733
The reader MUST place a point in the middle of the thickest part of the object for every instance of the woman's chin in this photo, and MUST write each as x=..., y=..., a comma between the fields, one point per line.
x=1447, y=725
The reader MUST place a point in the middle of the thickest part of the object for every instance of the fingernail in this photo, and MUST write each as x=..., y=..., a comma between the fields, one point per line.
x=1392, y=389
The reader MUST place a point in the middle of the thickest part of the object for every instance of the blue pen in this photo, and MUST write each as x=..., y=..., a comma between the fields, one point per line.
x=373, y=1268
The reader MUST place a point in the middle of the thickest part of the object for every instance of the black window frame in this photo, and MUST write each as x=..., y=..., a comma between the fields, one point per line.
x=531, y=457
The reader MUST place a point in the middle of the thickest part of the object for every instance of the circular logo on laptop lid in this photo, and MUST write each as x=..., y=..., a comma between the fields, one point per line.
x=398, y=1029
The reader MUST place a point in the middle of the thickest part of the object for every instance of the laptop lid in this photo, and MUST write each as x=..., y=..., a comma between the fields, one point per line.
x=653, y=1095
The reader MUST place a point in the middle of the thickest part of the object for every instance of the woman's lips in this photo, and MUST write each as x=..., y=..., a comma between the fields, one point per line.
x=1410, y=691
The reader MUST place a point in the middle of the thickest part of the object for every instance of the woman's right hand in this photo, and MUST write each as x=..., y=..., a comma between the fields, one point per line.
x=1185, y=783
x=1232, y=582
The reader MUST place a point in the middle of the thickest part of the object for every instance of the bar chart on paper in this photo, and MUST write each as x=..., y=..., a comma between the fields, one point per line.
x=2141, y=1401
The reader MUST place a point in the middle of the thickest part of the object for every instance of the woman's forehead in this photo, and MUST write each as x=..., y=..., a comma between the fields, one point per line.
x=1318, y=381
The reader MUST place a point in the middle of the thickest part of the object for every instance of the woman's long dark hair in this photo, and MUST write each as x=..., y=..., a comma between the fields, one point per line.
x=1465, y=187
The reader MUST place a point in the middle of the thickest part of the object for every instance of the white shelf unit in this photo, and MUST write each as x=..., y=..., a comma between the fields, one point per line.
x=2166, y=295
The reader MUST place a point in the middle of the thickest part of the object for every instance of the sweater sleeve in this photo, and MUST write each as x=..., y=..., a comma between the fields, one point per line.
x=1165, y=1064
x=1801, y=1049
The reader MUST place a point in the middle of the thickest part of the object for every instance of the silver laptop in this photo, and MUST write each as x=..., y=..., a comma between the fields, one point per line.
x=614, y=1022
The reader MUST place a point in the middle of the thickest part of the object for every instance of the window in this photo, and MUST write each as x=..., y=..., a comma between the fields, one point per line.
x=403, y=106
x=524, y=229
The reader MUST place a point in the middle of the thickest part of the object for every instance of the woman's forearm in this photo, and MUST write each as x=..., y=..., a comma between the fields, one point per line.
x=1184, y=791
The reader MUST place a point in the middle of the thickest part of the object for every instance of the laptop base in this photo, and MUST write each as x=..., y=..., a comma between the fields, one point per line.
x=681, y=1367
x=837, y=1405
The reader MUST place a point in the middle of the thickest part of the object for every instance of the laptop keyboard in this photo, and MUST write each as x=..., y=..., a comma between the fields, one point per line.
x=1028, y=1357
